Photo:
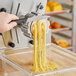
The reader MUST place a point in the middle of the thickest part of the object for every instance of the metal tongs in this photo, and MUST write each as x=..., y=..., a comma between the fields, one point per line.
x=30, y=17
x=25, y=23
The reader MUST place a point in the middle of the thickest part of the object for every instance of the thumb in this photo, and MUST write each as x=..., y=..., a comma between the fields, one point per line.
x=12, y=24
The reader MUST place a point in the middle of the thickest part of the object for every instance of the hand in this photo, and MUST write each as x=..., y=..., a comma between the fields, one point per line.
x=5, y=21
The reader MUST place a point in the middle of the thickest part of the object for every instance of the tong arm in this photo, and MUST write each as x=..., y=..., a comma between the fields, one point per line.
x=19, y=21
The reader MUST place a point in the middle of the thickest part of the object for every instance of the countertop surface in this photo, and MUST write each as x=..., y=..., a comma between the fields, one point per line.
x=1, y=70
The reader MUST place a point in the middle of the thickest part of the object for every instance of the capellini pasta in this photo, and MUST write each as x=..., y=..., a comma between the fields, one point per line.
x=41, y=64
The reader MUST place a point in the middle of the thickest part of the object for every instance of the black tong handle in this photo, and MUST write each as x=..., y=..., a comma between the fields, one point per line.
x=19, y=21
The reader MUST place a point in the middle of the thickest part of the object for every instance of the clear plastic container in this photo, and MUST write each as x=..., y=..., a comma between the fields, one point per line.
x=22, y=60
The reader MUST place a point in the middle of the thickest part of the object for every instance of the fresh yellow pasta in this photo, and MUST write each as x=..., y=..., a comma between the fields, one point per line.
x=41, y=64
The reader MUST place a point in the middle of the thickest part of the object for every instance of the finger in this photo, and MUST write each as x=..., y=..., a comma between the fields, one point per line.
x=13, y=17
x=12, y=24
